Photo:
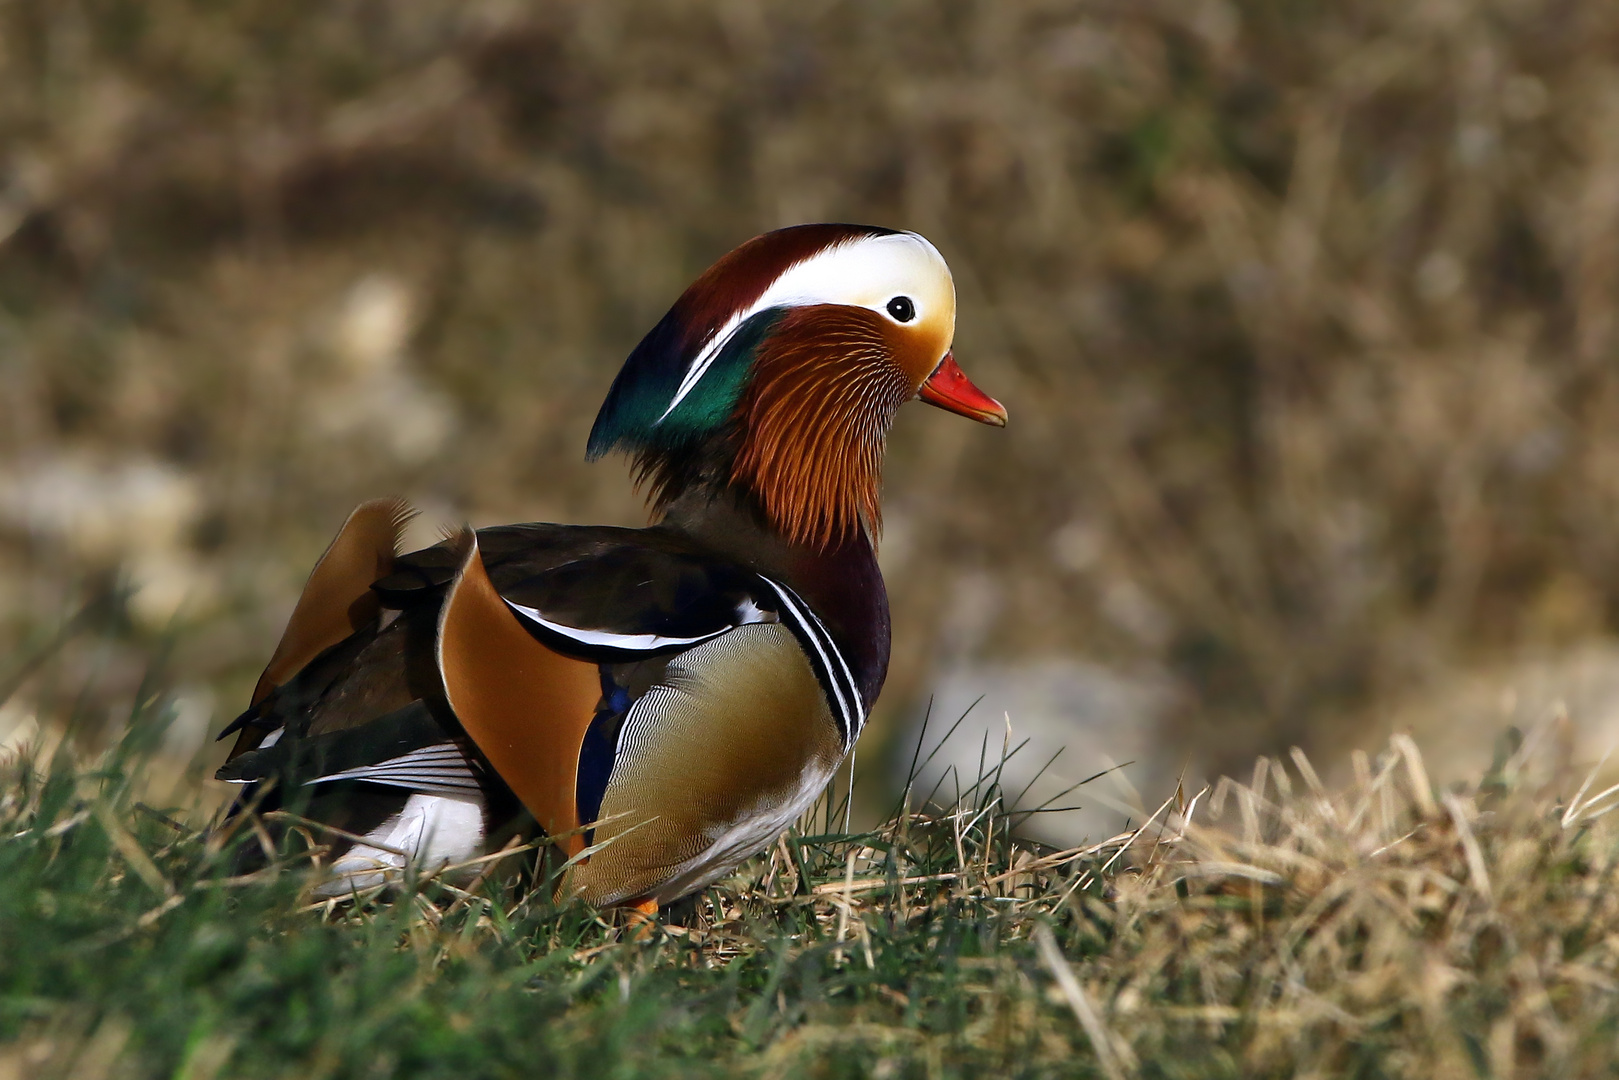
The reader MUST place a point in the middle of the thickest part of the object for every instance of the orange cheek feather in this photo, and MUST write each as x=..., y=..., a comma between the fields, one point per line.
x=813, y=420
x=917, y=349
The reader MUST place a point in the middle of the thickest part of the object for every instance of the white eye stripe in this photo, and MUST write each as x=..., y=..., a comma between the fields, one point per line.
x=705, y=359
x=867, y=272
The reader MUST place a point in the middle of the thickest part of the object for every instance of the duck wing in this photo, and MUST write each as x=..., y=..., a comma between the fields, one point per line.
x=598, y=593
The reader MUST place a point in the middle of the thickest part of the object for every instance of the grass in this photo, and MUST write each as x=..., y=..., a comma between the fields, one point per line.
x=1271, y=928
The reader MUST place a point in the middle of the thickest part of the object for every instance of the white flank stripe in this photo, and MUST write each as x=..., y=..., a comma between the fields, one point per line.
x=629, y=642
x=430, y=830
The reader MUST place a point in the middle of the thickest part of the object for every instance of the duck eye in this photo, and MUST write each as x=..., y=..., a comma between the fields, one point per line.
x=902, y=309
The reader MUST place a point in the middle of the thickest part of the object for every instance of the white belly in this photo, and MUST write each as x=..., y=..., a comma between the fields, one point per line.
x=430, y=832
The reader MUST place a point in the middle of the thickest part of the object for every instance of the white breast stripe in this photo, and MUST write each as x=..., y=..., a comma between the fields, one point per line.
x=817, y=638
x=845, y=694
x=627, y=642
x=831, y=647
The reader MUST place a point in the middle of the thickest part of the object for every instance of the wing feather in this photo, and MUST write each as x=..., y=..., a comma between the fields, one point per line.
x=441, y=769
x=337, y=599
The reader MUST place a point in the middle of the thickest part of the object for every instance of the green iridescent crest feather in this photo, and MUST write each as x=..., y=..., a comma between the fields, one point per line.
x=636, y=414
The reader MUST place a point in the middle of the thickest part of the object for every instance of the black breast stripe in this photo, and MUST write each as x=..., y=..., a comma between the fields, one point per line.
x=830, y=668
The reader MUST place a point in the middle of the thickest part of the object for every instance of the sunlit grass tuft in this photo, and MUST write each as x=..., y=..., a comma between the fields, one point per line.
x=1273, y=928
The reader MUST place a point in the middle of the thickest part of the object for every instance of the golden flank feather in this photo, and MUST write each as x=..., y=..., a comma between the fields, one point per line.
x=526, y=706
x=721, y=769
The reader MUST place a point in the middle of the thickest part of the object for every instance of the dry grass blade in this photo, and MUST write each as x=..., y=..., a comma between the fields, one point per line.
x=1231, y=869
x=1421, y=789
x=1084, y=1011
x=850, y=885
x=1461, y=815
x=330, y=830
x=132, y=852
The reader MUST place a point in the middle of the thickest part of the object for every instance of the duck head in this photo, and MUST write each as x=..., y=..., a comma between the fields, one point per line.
x=779, y=371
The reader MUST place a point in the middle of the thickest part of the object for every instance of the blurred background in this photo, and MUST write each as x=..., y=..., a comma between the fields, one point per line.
x=1304, y=314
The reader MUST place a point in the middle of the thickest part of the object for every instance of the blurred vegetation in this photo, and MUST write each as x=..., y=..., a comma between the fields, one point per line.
x=1304, y=312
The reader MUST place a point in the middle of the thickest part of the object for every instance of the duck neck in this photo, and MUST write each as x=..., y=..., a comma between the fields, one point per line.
x=842, y=583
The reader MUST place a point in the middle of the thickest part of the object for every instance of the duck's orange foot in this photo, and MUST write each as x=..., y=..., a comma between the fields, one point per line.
x=640, y=918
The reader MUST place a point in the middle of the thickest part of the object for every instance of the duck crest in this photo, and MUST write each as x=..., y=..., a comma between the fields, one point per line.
x=702, y=340
x=778, y=372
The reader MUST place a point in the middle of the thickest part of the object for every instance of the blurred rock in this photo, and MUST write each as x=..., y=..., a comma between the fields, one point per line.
x=101, y=510
x=1459, y=720
x=136, y=517
x=372, y=395
x=389, y=408
x=373, y=324
x=1085, y=716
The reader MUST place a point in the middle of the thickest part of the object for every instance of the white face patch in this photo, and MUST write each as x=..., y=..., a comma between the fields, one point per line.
x=868, y=272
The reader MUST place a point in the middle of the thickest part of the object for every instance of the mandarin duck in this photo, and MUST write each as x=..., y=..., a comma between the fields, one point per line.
x=663, y=702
